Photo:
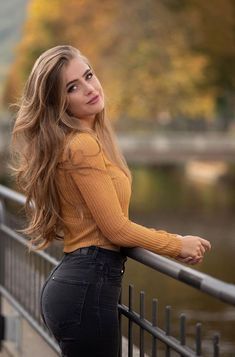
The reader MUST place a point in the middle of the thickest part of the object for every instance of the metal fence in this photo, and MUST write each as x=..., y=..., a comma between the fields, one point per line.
x=22, y=275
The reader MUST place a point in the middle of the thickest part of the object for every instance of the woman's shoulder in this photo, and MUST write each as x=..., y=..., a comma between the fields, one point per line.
x=83, y=143
x=86, y=141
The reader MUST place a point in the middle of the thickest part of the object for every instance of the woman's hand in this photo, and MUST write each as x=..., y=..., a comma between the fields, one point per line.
x=193, y=249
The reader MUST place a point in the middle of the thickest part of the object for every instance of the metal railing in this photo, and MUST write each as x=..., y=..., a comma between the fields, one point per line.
x=22, y=276
x=203, y=282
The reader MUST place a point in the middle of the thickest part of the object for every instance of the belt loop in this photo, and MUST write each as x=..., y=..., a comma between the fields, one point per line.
x=95, y=251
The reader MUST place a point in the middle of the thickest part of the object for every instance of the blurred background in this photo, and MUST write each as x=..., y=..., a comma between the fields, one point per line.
x=168, y=73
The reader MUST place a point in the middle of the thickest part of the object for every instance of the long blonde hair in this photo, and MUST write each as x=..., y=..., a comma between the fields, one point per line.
x=41, y=126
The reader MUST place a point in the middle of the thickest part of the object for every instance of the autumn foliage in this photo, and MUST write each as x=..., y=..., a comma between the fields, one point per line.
x=155, y=59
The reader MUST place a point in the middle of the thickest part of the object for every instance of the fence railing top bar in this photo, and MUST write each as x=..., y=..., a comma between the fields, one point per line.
x=212, y=286
x=8, y=193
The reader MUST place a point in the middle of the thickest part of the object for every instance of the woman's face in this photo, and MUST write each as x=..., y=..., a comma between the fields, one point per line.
x=81, y=87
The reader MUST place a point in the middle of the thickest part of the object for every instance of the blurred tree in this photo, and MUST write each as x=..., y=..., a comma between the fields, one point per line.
x=140, y=50
x=216, y=38
x=211, y=30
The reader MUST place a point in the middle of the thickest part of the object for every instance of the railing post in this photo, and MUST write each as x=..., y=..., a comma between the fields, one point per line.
x=198, y=339
x=168, y=327
x=142, y=316
x=2, y=319
x=2, y=212
x=154, y=324
x=216, y=345
x=130, y=323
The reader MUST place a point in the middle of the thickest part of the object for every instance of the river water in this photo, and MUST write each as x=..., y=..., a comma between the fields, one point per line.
x=169, y=198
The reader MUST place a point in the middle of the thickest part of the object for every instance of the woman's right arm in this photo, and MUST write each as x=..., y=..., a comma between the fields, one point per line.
x=91, y=178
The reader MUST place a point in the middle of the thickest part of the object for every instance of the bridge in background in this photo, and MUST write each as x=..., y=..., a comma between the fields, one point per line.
x=151, y=149
x=166, y=148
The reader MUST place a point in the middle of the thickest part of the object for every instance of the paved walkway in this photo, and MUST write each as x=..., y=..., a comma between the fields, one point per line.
x=32, y=343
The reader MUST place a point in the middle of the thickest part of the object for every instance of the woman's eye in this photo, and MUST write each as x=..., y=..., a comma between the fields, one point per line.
x=75, y=86
x=90, y=74
x=71, y=89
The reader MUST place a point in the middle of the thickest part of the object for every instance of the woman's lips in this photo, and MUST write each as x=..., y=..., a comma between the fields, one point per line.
x=94, y=100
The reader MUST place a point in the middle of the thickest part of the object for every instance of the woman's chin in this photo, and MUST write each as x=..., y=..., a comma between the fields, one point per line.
x=99, y=108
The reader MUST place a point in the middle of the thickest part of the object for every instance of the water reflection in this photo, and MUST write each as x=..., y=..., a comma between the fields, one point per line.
x=165, y=198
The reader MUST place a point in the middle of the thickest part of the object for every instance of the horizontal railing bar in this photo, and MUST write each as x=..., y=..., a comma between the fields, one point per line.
x=212, y=286
x=156, y=332
x=17, y=237
x=8, y=193
x=30, y=320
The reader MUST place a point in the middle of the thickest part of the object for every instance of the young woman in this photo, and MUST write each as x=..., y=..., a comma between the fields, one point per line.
x=78, y=189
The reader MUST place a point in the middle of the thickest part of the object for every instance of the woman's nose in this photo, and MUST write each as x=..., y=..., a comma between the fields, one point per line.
x=88, y=87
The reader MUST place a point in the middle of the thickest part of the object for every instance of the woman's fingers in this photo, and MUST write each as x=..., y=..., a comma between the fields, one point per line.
x=190, y=260
x=184, y=260
x=206, y=244
x=202, y=250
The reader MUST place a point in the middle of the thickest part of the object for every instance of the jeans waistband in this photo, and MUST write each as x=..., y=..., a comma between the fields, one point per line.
x=99, y=251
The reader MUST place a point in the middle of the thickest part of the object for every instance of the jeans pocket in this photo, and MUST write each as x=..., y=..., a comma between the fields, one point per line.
x=63, y=301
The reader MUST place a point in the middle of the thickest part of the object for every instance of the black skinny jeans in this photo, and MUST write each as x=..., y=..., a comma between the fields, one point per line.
x=79, y=302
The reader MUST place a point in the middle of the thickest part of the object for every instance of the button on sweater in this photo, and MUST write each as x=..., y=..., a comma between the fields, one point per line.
x=94, y=196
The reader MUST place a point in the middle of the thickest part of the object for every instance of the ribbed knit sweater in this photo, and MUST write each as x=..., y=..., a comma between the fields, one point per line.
x=95, y=195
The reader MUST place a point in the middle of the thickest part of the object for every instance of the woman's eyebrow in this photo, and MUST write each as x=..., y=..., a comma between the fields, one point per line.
x=75, y=80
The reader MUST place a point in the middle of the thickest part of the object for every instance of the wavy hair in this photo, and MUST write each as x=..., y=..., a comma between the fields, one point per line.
x=41, y=126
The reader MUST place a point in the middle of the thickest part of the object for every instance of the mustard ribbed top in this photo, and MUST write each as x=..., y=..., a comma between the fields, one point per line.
x=95, y=196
